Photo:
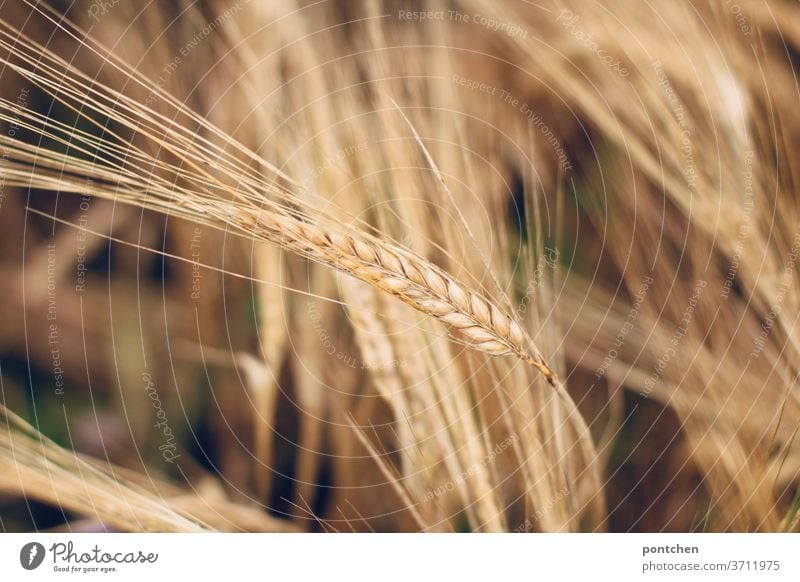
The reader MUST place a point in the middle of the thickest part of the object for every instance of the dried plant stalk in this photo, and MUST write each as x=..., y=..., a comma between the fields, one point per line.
x=37, y=468
x=227, y=196
x=473, y=318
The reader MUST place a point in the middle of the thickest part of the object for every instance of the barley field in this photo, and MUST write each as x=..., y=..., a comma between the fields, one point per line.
x=399, y=266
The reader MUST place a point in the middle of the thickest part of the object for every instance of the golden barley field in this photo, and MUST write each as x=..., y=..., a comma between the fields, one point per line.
x=399, y=266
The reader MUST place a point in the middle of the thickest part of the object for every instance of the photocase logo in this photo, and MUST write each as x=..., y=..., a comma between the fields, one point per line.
x=31, y=555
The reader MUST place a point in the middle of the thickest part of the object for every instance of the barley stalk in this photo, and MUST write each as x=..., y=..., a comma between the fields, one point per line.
x=469, y=316
x=199, y=180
